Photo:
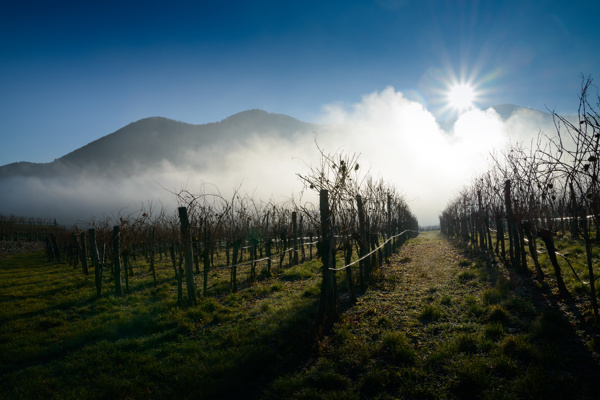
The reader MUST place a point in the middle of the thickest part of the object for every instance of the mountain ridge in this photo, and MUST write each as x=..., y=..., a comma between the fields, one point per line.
x=149, y=141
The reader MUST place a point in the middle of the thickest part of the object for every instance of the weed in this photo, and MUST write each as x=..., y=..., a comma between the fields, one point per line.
x=396, y=347
x=517, y=347
x=286, y=387
x=324, y=376
x=539, y=383
x=497, y=313
x=496, y=293
x=494, y=331
x=210, y=305
x=552, y=325
x=312, y=291
x=464, y=263
x=430, y=313
x=505, y=367
x=466, y=276
x=465, y=343
x=474, y=307
x=520, y=306
x=472, y=377
x=446, y=300
x=374, y=381
x=297, y=272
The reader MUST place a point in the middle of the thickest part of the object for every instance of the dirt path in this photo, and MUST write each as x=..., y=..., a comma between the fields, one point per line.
x=425, y=262
x=428, y=271
x=443, y=323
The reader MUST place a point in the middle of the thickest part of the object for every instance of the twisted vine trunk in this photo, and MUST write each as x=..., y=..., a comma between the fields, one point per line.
x=548, y=237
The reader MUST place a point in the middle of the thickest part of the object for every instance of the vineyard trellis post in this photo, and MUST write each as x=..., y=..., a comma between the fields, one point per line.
x=117, y=259
x=512, y=240
x=295, y=237
x=327, y=312
x=55, y=248
x=206, y=258
x=349, y=278
x=151, y=255
x=362, y=244
x=234, y=262
x=186, y=238
x=388, y=248
x=84, y=263
x=268, y=246
x=178, y=274
x=96, y=261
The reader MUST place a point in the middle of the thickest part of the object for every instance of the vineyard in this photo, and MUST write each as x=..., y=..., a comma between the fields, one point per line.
x=541, y=204
x=338, y=296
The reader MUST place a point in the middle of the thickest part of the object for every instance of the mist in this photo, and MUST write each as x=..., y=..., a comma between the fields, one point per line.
x=397, y=139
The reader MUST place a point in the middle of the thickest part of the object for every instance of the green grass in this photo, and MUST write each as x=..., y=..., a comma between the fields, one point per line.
x=60, y=341
x=439, y=323
x=454, y=340
x=430, y=313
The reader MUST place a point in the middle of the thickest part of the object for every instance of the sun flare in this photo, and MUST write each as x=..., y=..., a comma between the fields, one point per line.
x=461, y=96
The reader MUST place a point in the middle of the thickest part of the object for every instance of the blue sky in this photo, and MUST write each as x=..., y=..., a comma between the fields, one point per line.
x=72, y=72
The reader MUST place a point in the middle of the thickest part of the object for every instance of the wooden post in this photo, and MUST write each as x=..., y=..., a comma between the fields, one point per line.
x=196, y=248
x=206, y=258
x=512, y=238
x=327, y=312
x=295, y=237
x=178, y=275
x=186, y=239
x=126, y=265
x=152, y=246
x=268, y=247
x=363, y=245
x=234, y=261
x=55, y=248
x=302, y=241
x=590, y=264
x=96, y=261
x=349, y=279
x=117, y=259
x=77, y=252
x=282, y=251
x=480, y=218
x=388, y=248
x=83, y=254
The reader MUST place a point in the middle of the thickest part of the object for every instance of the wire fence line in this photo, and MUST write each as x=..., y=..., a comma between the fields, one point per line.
x=564, y=256
x=372, y=251
x=272, y=258
x=265, y=258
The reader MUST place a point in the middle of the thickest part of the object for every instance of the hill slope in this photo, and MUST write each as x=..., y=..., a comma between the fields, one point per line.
x=149, y=141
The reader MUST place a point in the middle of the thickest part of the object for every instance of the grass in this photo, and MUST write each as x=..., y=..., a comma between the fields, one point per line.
x=60, y=341
x=465, y=331
x=574, y=251
x=439, y=323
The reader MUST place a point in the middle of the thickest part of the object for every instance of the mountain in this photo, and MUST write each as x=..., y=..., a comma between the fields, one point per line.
x=149, y=141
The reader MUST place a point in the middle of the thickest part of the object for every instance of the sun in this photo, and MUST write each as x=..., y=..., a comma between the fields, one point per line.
x=461, y=96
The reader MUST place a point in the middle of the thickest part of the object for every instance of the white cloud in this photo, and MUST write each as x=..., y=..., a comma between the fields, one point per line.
x=403, y=143
x=398, y=139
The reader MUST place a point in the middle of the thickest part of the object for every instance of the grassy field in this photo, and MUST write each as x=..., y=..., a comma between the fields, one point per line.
x=439, y=323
